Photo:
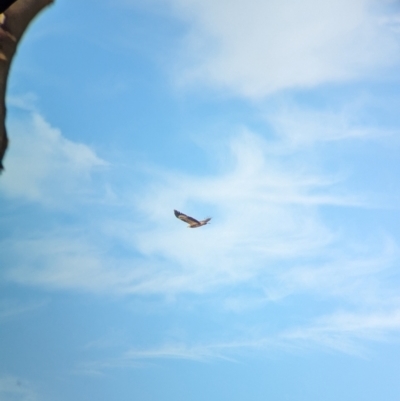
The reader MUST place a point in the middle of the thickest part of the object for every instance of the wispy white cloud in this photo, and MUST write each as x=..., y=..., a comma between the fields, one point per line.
x=10, y=308
x=178, y=351
x=266, y=228
x=356, y=278
x=138, y=358
x=268, y=233
x=348, y=332
x=65, y=261
x=15, y=389
x=392, y=21
x=43, y=165
x=255, y=47
x=300, y=127
x=26, y=101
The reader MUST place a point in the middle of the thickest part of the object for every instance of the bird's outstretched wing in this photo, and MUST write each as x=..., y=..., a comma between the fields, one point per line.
x=187, y=219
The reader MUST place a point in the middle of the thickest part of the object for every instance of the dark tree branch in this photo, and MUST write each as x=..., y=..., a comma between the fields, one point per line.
x=13, y=23
x=4, y=4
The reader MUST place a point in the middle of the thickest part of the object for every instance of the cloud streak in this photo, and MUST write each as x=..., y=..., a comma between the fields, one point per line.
x=12, y=388
x=345, y=332
x=255, y=48
x=269, y=239
x=43, y=165
x=10, y=308
x=348, y=332
x=267, y=227
x=267, y=236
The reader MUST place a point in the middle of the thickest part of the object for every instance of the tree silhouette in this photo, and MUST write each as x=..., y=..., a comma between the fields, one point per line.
x=15, y=16
x=4, y=4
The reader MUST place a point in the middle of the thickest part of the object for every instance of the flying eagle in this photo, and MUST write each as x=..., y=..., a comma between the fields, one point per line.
x=193, y=223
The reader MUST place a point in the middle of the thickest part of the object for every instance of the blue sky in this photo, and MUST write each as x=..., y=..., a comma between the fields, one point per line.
x=277, y=118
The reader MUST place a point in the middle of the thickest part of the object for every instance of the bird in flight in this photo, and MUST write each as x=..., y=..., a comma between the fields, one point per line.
x=193, y=223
